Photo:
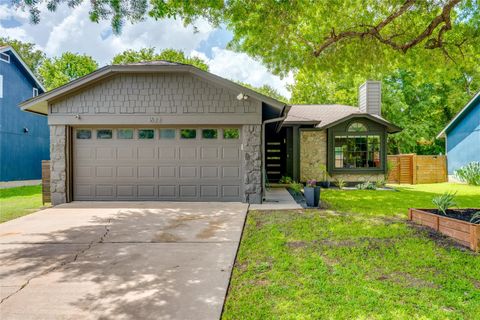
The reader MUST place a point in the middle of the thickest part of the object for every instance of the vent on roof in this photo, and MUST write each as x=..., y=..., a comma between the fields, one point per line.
x=4, y=57
x=370, y=97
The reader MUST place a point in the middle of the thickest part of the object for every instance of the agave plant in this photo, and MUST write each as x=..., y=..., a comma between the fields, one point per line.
x=469, y=173
x=475, y=218
x=445, y=201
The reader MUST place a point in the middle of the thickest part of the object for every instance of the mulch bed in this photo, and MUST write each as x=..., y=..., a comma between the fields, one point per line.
x=459, y=214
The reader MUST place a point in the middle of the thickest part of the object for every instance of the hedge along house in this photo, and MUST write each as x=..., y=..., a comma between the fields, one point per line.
x=462, y=136
x=155, y=131
x=349, y=142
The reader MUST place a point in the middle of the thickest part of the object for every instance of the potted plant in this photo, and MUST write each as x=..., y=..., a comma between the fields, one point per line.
x=312, y=193
x=325, y=183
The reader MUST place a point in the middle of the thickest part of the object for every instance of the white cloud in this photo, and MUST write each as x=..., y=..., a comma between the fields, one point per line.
x=240, y=67
x=71, y=30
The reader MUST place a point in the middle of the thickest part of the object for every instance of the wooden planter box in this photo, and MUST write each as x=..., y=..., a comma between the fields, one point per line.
x=463, y=232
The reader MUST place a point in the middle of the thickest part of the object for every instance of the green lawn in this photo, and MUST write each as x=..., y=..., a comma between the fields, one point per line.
x=17, y=202
x=357, y=260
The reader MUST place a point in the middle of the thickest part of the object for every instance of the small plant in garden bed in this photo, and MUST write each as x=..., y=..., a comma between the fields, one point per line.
x=367, y=185
x=340, y=183
x=444, y=201
x=286, y=180
x=469, y=173
x=475, y=218
x=296, y=187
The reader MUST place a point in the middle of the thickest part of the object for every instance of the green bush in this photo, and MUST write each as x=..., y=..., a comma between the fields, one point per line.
x=444, y=201
x=469, y=173
x=286, y=180
x=340, y=183
x=296, y=187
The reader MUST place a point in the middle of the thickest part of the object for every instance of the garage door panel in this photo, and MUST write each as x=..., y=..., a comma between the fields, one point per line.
x=167, y=191
x=126, y=172
x=209, y=191
x=147, y=153
x=157, y=169
x=105, y=153
x=167, y=153
x=188, y=191
x=167, y=172
x=188, y=172
x=188, y=153
x=147, y=191
x=209, y=172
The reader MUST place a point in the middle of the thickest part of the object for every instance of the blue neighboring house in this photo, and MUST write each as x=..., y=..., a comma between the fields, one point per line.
x=24, y=136
x=462, y=136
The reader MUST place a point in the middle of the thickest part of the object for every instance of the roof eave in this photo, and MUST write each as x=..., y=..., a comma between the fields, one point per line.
x=391, y=128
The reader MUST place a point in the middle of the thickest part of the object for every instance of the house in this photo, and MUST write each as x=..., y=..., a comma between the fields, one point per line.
x=167, y=131
x=24, y=137
x=462, y=136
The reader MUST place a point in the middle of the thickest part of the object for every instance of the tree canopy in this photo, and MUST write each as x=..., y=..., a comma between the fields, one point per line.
x=31, y=56
x=69, y=66
x=148, y=54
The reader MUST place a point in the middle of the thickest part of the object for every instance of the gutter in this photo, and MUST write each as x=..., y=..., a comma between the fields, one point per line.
x=285, y=110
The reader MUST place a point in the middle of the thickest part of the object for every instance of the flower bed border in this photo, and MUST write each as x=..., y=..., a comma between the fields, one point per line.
x=463, y=232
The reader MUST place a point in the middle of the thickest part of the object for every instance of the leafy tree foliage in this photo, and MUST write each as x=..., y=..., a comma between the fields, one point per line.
x=148, y=54
x=31, y=56
x=265, y=90
x=56, y=72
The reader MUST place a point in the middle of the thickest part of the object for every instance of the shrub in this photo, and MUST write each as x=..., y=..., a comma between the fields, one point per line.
x=296, y=187
x=367, y=185
x=469, y=173
x=340, y=183
x=286, y=180
x=475, y=218
x=380, y=183
x=444, y=201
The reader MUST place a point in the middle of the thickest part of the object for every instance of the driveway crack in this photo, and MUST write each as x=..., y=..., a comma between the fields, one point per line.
x=63, y=263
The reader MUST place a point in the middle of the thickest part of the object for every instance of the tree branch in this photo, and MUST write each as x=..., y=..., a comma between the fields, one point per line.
x=374, y=31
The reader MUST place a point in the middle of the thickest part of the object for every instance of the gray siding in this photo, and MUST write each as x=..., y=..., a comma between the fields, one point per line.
x=370, y=97
x=164, y=94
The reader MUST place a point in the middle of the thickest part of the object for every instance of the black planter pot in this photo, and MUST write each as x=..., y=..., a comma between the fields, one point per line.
x=325, y=184
x=312, y=196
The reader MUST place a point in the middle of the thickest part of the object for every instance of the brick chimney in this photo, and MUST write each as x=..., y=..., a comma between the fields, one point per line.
x=370, y=97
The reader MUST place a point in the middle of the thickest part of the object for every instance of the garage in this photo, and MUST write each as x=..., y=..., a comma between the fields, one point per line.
x=178, y=164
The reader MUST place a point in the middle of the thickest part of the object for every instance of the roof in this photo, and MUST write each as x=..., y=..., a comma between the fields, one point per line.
x=323, y=116
x=459, y=116
x=4, y=49
x=39, y=104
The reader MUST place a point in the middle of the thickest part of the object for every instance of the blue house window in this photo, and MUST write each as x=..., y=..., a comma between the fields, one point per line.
x=5, y=57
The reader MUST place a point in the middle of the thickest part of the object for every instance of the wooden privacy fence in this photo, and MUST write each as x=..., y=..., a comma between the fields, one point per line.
x=46, y=181
x=415, y=169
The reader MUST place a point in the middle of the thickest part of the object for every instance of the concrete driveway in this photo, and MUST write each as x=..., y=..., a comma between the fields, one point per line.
x=149, y=260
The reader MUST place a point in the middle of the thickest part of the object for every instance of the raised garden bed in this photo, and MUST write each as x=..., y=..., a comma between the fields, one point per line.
x=455, y=224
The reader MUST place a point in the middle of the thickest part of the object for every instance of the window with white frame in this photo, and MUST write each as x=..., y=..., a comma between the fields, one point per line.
x=4, y=57
x=35, y=92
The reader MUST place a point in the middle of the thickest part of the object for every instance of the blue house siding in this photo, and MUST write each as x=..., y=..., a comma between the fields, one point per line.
x=463, y=139
x=21, y=152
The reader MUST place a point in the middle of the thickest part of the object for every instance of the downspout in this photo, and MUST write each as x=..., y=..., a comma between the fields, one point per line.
x=285, y=110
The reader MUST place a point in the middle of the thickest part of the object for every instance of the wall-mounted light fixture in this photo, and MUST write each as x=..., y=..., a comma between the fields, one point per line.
x=242, y=96
x=77, y=116
x=25, y=130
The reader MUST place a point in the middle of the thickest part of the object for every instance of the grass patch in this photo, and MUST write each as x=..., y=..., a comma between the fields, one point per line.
x=19, y=201
x=358, y=260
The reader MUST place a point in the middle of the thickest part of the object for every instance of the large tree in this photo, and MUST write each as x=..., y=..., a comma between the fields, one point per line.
x=149, y=54
x=61, y=70
x=31, y=56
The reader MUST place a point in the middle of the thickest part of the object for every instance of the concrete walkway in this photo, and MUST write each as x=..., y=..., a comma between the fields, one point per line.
x=119, y=261
x=277, y=199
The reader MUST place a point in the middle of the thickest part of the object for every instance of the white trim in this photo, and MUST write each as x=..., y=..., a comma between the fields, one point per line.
x=1, y=86
x=442, y=133
x=4, y=57
x=39, y=84
x=34, y=92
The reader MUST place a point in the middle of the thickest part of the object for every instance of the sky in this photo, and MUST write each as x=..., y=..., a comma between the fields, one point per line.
x=71, y=30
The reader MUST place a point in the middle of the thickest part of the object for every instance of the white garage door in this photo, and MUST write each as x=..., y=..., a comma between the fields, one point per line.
x=183, y=164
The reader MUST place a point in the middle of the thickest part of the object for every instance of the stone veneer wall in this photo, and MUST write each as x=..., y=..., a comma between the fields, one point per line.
x=252, y=176
x=58, y=166
x=313, y=153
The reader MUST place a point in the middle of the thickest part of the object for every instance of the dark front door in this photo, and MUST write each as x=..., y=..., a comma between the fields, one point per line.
x=276, y=155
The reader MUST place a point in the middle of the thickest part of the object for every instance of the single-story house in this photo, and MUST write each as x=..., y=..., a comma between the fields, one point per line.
x=462, y=136
x=167, y=131
x=24, y=137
